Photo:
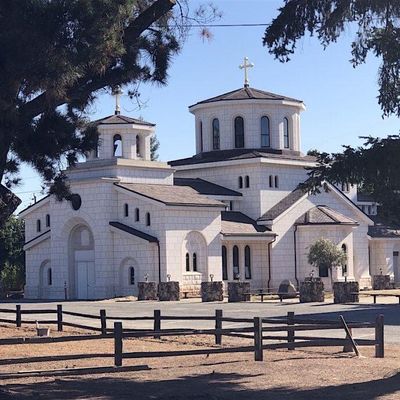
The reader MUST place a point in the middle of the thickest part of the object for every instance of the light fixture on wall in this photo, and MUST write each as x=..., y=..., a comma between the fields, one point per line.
x=211, y=277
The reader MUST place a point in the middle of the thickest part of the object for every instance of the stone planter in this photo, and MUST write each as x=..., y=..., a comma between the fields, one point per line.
x=168, y=291
x=312, y=290
x=212, y=291
x=380, y=282
x=147, y=291
x=342, y=292
x=238, y=291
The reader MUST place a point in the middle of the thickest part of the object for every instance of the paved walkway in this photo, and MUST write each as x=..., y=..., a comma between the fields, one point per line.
x=363, y=312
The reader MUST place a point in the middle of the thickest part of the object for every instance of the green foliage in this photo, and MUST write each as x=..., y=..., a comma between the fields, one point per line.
x=57, y=56
x=378, y=32
x=374, y=166
x=154, y=146
x=323, y=252
x=11, y=243
x=12, y=277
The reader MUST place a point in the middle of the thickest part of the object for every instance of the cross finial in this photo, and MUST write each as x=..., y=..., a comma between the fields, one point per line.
x=117, y=91
x=246, y=64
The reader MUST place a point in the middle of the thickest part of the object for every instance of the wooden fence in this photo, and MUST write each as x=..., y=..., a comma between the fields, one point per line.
x=261, y=331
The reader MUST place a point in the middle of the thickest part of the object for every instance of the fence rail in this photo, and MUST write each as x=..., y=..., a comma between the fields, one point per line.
x=258, y=330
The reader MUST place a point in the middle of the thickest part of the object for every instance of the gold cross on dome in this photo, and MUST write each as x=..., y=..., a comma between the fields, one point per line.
x=117, y=92
x=246, y=64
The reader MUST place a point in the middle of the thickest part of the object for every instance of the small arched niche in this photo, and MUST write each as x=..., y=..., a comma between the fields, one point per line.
x=117, y=145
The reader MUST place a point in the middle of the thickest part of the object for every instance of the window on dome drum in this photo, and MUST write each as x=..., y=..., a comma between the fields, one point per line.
x=131, y=275
x=137, y=215
x=148, y=221
x=323, y=271
x=137, y=145
x=247, y=262
x=239, y=132
x=117, y=146
x=271, y=181
x=276, y=181
x=224, y=264
x=286, y=133
x=240, y=182
x=201, y=137
x=235, y=259
x=187, y=262
x=38, y=226
x=49, y=277
x=215, y=134
x=48, y=220
x=265, y=133
x=126, y=210
x=194, y=262
x=344, y=267
x=247, y=181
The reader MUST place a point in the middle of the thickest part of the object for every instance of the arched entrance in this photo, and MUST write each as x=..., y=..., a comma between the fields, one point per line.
x=45, y=279
x=82, y=275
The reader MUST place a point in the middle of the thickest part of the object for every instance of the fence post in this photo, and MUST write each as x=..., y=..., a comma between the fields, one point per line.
x=218, y=326
x=103, y=322
x=379, y=337
x=157, y=323
x=118, y=344
x=59, y=318
x=258, y=341
x=290, y=332
x=18, y=320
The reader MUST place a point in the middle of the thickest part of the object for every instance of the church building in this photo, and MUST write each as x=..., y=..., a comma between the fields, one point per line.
x=231, y=211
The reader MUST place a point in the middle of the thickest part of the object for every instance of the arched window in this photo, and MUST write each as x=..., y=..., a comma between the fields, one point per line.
x=345, y=187
x=235, y=259
x=286, y=133
x=265, y=133
x=49, y=277
x=247, y=262
x=38, y=226
x=240, y=182
x=137, y=215
x=131, y=275
x=215, y=134
x=344, y=267
x=187, y=262
x=48, y=220
x=271, y=181
x=194, y=262
x=148, y=220
x=239, y=132
x=201, y=136
x=247, y=181
x=117, y=146
x=137, y=145
x=276, y=181
x=126, y=210
x=224, y=264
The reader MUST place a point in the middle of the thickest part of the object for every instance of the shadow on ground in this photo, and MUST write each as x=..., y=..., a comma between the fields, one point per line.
x=213, y=386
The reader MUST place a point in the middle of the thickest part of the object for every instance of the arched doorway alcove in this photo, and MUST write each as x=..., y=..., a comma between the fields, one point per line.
x=128, y=277
x=82, y=274
x=45, y=279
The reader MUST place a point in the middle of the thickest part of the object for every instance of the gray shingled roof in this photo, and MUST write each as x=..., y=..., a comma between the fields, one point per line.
x=247, y=93
x=241, y=154
x=321, y=215
x=121, y=119
x=280, y=207
x=383, y=228
x=171, y=195
x=133, y=231
x=206, y=188
x=237, y=223
x=364, y=197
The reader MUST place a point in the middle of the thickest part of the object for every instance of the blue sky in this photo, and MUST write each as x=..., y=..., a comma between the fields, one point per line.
x=341, y=101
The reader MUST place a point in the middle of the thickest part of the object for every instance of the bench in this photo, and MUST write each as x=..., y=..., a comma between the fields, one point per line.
x=375, y=295
x=279, y=295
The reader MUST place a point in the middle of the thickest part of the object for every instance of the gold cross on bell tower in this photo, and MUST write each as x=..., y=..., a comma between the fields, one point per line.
x=117, y=92
x=246, y=64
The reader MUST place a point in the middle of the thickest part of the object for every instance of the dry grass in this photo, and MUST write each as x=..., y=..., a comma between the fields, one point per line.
x=294, y=375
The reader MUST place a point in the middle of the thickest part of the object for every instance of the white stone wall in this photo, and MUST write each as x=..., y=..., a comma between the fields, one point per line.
x=381, y=254
x=38, y=213
x=251, y=112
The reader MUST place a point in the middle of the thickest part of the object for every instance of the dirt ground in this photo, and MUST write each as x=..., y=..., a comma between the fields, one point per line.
x=27, y=373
